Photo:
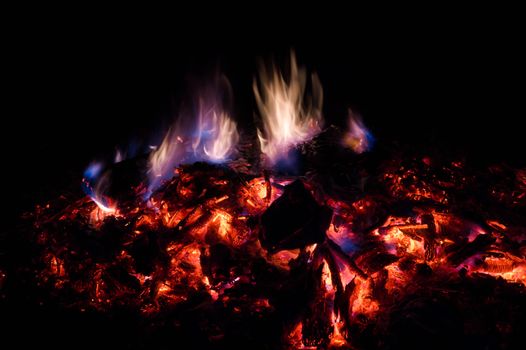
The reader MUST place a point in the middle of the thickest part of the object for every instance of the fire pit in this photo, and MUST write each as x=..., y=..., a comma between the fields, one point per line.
x=292, y=236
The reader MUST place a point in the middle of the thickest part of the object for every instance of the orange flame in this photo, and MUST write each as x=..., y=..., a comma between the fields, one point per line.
x=287, y=121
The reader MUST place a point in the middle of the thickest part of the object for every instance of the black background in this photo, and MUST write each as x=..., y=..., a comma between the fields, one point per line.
x=83, y=88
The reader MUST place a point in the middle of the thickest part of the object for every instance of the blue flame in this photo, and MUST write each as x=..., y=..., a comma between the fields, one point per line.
x=93, y=170
x=358, y=138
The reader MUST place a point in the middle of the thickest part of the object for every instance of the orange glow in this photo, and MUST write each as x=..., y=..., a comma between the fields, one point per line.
x=396, y=240
x=223, y=221
x=295, y=337
x=518, y=275
x=106, y=209
x=100, y=212
x=337, y=338
x=201, y=234
x=508, y=269
x=364, y=302
x=254, y=195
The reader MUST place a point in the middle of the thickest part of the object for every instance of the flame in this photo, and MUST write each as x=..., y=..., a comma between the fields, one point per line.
x=295, y=337
x=217, y=136
x=103, y=207
x=95, y=183
x=163, y=159
x=358, y=138
x=326, y=278
x=287, y=121
x=208, y=134
x=337, y=338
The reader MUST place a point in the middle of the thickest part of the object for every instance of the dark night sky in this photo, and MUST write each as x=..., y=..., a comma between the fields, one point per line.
x=80, y=90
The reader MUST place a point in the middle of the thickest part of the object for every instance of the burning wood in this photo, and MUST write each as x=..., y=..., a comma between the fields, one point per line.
x=251, y=243
x=347, y=253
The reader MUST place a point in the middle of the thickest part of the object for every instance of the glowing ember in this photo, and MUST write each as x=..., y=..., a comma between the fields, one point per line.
x=363, y=300
x=286, y=120
x=330, y=257
x=223, y=220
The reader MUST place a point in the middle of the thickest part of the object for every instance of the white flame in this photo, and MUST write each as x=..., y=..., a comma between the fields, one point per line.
x=287, y=121
x=215, y=139
x=104, y=208
x=216, y=134
x=95, y=182
x=163, y=159
x=224, y=137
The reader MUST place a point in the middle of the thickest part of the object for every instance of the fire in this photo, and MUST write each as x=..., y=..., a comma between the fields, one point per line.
x=95, y=183
x=286, y=120
x=217, y=136
x=396, y=240
x=364, y=302
x=358, y=138
x=295, y=337
x=200, y=242
x=337, y=338
x=518, y=275
x=208, y=135
x=164, y=158
x=105, y=209
x=326, y=278
x=256, y=196
x=223, y=221
x=513, y=270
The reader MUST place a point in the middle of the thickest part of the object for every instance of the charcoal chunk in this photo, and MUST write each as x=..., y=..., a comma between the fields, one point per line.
x=294, y=220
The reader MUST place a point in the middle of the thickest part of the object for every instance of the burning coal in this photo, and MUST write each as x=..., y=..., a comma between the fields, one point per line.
x=222, y=246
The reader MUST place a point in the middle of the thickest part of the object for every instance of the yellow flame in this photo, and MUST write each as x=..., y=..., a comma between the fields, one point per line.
x=287, y=120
